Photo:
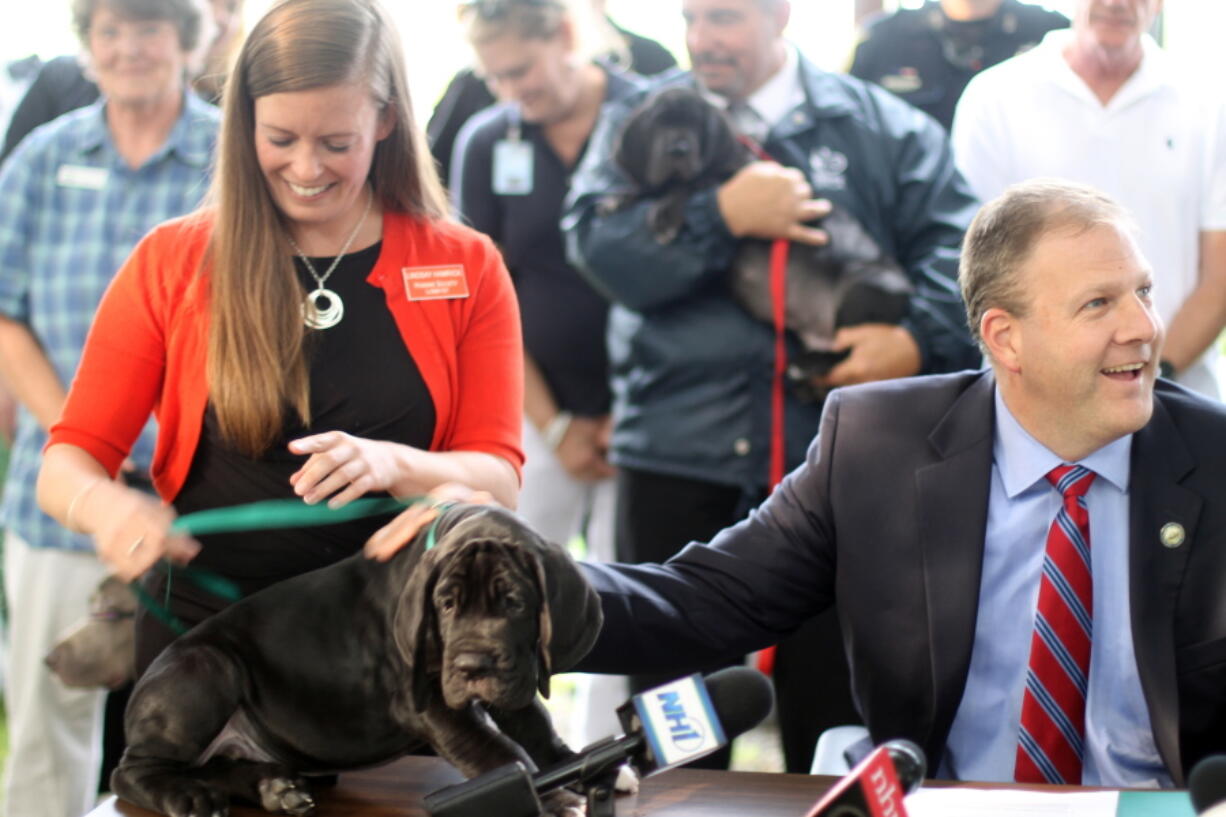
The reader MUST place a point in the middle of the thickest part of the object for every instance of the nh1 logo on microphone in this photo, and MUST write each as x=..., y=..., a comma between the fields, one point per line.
x=679, y=721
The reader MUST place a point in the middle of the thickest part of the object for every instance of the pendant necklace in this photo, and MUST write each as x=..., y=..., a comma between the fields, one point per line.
x=323, y=308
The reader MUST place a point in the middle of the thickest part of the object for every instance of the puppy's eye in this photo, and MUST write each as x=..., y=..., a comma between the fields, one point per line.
x=447, y=603
x=513, y=603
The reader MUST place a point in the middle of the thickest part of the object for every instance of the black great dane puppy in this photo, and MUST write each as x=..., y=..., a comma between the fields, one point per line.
x=360, y=662
x=675, y=144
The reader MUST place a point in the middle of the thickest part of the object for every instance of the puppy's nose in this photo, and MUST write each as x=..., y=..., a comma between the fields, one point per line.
x=473, y=664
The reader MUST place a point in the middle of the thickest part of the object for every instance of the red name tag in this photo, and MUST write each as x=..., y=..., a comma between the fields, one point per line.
x=434, y=283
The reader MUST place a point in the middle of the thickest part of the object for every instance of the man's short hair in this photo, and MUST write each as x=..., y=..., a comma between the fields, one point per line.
x=1005, y=231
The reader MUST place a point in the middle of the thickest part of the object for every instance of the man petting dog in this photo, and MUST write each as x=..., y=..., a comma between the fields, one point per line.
x=1066, y=502
x=691, y=369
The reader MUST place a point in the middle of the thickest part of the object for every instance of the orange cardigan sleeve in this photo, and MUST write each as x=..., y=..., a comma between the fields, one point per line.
x=489, y=399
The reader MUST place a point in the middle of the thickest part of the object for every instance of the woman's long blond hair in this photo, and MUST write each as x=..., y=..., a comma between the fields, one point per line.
x=257, y=365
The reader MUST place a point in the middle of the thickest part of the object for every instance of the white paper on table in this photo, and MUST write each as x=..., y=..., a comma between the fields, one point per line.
x=1010, y=803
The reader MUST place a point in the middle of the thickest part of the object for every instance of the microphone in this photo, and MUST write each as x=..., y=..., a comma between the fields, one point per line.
x=877, y=785
x=1207, y=786
x=669, y=725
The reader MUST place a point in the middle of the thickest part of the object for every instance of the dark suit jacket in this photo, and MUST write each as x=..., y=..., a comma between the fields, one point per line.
x=887, y=520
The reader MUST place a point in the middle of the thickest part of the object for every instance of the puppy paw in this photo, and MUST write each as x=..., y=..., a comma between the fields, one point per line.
x=564, y=803
x=286, y=795
x=627, y=781
x=191, y=799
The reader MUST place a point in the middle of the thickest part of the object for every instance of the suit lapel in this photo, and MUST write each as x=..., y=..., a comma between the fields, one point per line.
x=953, y=511
x=1160, y=460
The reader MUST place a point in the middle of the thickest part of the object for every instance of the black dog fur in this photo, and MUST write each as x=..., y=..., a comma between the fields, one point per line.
x=360, y=662
x=676, y=144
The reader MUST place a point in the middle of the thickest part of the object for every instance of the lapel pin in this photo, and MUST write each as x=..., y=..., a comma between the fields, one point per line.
x=1172, y=535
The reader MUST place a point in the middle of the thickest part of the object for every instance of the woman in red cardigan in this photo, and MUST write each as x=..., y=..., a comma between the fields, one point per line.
x=321, y=330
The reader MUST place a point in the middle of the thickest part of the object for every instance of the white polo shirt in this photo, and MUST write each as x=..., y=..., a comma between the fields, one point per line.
x=1158, y=147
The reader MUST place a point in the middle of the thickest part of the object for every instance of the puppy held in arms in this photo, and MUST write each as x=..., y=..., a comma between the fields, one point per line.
x=360, y=662
x=676, y=144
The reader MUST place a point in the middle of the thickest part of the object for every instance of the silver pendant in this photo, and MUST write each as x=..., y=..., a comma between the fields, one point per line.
x=326, y=317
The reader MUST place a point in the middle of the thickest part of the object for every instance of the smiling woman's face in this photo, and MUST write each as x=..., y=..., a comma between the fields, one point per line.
x=315, y=148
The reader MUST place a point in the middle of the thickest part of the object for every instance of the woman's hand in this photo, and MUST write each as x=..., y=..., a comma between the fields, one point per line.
x=584, y=449
x=345, y=467
x=131, y=529
x=390, y=538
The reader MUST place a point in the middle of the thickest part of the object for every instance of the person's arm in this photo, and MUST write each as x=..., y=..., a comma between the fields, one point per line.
x=1202, y=316
x=579, y=443
x=130, y=528
x=931, y=208
x=28, y=373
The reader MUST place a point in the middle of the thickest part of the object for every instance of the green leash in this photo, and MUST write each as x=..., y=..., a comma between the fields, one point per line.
x=266, y=515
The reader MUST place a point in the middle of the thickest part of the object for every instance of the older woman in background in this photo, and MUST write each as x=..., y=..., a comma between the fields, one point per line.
x=74, y=200
x=63, y=84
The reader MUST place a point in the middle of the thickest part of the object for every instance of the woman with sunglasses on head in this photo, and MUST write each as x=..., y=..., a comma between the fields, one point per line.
x=510, y=174
x=318, y=332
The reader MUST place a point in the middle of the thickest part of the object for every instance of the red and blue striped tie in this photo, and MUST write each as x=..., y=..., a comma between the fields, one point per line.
x=1051, y=741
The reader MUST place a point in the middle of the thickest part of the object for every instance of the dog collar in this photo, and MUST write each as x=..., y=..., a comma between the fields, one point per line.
x=440, y=507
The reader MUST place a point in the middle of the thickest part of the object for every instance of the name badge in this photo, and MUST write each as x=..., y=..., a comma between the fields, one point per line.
x=434, y=283
x=513, y=166
x=82, y=177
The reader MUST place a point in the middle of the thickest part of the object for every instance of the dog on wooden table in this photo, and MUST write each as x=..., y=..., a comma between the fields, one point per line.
x=360, y=662
x=676, y=144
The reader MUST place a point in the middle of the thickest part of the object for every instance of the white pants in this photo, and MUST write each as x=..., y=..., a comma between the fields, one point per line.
x=560, y=508
x=55, y=733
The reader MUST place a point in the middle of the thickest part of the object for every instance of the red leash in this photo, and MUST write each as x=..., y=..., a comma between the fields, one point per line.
x=765, y=659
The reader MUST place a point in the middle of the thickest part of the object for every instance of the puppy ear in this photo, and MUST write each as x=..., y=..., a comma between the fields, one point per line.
x=632, y=150
x=416, y=626
x=573, y=606
x=544, y=630
x=723, y=154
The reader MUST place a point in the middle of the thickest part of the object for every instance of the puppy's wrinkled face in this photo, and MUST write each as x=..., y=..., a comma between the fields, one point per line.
x=674, y=155
x=487, y=605
x=677, y=138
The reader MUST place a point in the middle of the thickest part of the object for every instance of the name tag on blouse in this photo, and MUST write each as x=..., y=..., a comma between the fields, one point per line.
x=434, y=283
x=82, y=177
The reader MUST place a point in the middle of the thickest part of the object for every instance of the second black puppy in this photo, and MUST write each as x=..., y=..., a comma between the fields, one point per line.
x=357, y=663
x=676, y=144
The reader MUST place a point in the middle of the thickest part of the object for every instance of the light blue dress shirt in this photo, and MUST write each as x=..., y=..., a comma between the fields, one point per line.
x=982, y=744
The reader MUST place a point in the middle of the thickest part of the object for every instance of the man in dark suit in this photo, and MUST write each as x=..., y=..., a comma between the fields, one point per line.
x=1011, y=628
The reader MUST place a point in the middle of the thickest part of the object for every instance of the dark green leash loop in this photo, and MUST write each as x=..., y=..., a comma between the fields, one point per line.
x=266, y=515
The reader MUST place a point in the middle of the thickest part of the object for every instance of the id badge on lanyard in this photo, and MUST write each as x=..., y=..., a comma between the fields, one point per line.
x=513, y=163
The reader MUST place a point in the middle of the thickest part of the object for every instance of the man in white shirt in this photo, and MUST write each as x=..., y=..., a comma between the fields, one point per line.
x=1102, y=104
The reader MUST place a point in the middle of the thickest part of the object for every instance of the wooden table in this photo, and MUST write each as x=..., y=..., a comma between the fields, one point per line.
x=396, y=790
